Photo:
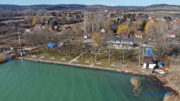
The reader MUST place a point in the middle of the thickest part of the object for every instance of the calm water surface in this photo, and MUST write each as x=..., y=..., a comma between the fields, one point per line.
x=31, y=81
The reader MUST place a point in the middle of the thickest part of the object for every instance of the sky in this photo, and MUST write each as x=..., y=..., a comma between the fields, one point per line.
x=92, y=2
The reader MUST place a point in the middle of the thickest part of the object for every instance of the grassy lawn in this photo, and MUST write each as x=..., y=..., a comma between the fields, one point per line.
x=86, y=59
x=113, y=63
x=52, y=55
x=102, y=60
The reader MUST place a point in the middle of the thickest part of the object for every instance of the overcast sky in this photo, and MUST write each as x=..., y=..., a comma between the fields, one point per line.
x=91, y=2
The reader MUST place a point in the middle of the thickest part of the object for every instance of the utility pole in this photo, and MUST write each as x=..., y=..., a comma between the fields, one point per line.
x=109, y=54
x=92, y=29
x=123, y=56
x=140, y=50
x=19, y=38
x=139, y=58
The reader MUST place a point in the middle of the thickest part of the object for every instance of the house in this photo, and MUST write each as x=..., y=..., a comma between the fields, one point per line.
x=106, y=11
x=162, y=19
x=138, y=34
x=176, y=25
x=119, y=42
x=85, y=36
x=43, y=27
x=149, y=18
x=52, y=45
x=27, y=30
x=124, y=41
x=55, y=27
x=153, y=64
x=103, y=30
x=149, y=52
x=37, y=27
x=152, y=18
x=149, y=62
x=172, y=34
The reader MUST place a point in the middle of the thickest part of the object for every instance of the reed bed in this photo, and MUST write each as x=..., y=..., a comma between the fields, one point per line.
x=136, y=83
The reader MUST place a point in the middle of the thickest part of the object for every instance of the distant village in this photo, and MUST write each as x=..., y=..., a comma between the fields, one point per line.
x=104, y=37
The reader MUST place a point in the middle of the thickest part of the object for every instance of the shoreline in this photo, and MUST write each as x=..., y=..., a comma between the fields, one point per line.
x=148, y=75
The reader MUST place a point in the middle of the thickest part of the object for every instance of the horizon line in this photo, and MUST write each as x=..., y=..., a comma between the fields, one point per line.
x=89, y=5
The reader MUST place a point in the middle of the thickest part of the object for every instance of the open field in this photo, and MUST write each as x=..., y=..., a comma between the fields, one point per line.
x=161, y=13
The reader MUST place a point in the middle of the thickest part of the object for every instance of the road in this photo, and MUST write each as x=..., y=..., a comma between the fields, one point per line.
x=174, y=43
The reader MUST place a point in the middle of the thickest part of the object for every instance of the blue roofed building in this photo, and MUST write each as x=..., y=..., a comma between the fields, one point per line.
x=52, y=45
x=149, y=52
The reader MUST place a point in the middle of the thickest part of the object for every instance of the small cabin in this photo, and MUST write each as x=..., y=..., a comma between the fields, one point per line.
x=103, y=30
x=172, y=34
x=149, y=62
x=138, y=35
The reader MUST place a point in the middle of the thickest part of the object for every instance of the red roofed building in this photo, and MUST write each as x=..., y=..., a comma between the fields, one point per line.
x=172, y=34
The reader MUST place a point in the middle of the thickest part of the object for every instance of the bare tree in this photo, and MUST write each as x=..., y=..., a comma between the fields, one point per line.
x=160, y=38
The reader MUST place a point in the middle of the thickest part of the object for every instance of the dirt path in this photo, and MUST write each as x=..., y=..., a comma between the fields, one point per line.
x=76, y=58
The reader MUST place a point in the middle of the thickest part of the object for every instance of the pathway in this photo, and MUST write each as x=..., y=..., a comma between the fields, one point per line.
x=92, y=65
x=76, y=58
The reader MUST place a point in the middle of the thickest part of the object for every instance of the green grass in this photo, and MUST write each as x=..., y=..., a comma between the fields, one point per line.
x=100, y=58
x=85, y=57
x=116, y=56
x=54, y=52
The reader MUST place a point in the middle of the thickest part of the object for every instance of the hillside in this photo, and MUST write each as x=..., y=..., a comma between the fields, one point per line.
x=80, y=6
x=163, y=7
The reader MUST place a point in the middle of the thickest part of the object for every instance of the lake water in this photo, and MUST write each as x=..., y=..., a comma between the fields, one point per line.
x=31, y=81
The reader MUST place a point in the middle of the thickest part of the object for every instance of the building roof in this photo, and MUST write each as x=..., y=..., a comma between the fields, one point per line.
x=110, y=38
x=148, y=60
x=172, y=33
x=124, y=39
x=138, y=33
